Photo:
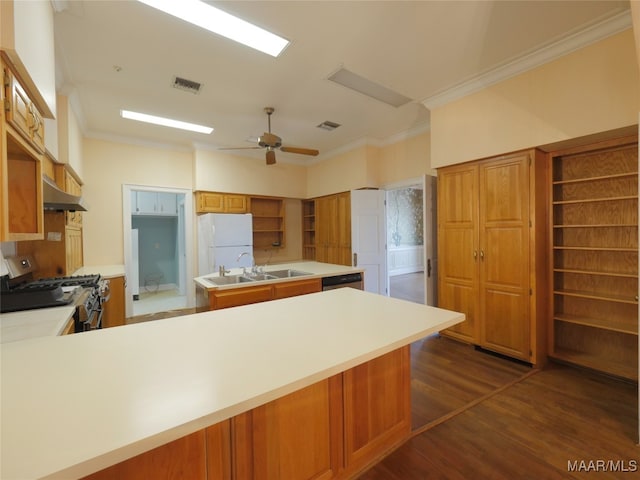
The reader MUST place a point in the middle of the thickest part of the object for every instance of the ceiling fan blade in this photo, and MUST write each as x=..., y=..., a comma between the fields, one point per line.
x=271, y=157
x=239, y=148
x=301, y=151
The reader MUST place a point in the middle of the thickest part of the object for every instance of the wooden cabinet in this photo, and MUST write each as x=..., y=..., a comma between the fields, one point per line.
x=216, y=299
x=72, y=186
x=22, y=113
x=377, y=407
x=332, y=429
x=307, y=422
x=595, y=257
x=268, y=222
x=154, y=203
x=295, y=288
x=333, y=228
x=114, y=309
x=21, y=134
x=213, y=202
x=185, y=458
x=491, y=228
x=309, y=229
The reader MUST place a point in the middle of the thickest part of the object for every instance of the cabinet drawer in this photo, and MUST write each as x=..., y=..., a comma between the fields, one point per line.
x=235, y=297
x=292, y=289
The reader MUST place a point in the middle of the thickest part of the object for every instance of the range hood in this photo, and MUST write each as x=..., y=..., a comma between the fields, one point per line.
x=56, y=199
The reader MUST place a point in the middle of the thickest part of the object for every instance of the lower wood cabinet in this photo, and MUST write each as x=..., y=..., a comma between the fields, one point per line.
x=377, y=407
x=114, y=309
x=216, y=299
x=332, y=429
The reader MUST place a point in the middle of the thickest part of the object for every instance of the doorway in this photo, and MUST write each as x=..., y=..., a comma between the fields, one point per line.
x=157, y=241
x=411, y=240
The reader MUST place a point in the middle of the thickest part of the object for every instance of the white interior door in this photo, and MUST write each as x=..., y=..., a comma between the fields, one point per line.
x=430, y=240
x=368, y=238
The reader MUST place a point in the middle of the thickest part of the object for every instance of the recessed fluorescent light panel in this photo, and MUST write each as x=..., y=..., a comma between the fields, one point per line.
x=371, y=89
x=222, y=23
x=165, y=122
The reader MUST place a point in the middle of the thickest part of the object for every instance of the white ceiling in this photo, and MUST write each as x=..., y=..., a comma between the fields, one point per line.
x=114, y=55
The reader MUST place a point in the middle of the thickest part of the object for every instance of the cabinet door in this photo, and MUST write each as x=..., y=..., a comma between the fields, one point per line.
x=167, y=203
x=239, y=296
x=146, y=202
x=114, y=309
x=377, y=407
x=269, y=441
x=235, y=203
x=292, y=289
x=457, y=247
x=504, y=255
x=73, y=247
x=210, y=202
x=184, y=459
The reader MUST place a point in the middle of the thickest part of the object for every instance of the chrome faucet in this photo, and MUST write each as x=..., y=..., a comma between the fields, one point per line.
x=221, y=271
x=253, y=261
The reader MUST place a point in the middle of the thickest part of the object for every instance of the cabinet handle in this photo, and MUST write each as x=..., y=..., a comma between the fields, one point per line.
x=475, y=254
x=355, y=259
x=482, y=255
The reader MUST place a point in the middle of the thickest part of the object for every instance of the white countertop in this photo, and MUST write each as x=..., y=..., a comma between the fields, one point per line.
x=315, y=269
x=75, y=404
x=42, y=322
x=107, y=271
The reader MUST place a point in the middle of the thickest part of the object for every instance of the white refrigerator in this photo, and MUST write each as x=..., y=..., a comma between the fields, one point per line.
x=222, y=238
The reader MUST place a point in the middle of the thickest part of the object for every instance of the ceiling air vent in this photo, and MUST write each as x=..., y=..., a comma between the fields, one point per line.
x=327, y=125
x=186, y=85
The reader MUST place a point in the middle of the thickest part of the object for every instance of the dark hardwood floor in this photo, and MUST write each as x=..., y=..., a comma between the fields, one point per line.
x=552, y=424
x=447, y=375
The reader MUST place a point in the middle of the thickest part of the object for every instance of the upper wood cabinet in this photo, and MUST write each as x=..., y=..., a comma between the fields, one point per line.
x=213, y=202
x=491, y=232
x=333, y=229
x=21, y=208
x=594, y=264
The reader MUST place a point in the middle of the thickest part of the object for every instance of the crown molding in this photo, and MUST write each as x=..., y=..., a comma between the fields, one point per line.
x=592, y=34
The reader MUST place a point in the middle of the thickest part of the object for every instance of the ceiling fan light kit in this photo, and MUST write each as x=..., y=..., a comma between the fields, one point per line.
x=271, y=142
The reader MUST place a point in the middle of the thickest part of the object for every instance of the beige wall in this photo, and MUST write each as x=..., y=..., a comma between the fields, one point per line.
x=592, y=90
x=106, y=167
x=222, y=172
x=356, y=168
x=406, y=159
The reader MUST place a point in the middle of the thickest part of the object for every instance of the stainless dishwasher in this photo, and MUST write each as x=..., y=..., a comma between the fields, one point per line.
x=353, y=280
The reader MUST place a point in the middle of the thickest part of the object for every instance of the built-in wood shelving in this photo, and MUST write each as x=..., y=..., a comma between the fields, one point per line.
x=595, y=258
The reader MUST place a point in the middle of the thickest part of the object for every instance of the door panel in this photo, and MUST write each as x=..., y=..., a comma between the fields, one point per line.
x=368, y=237
x=504, y=255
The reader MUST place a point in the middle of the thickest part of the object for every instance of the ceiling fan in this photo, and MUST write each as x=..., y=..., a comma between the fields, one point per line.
x=272, y=142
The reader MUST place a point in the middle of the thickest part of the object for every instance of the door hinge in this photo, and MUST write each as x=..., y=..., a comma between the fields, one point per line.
x=530, y=224
x=7, y=105
x=531, y=291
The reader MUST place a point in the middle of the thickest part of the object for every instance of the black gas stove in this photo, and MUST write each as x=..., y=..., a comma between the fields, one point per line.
x=20, y=291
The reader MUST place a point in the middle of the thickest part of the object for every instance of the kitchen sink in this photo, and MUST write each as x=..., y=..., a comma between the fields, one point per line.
x=261, y=276
x=288, y=273
x=229, y=279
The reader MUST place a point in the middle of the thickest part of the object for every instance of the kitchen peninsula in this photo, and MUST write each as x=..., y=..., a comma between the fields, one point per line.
x=76, y=404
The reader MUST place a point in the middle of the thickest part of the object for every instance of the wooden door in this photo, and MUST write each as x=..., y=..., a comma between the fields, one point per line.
x=297, y=436
x=504, y=255
x=343, y=228
x=458, y=247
